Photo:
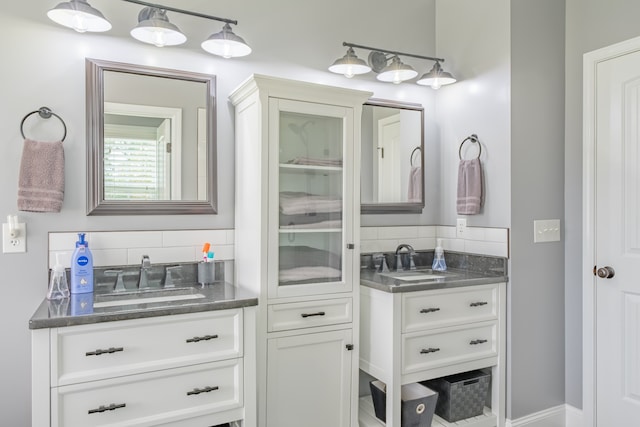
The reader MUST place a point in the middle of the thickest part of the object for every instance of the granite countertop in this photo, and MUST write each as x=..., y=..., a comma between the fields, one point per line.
x=82, y=309
x=463, y=270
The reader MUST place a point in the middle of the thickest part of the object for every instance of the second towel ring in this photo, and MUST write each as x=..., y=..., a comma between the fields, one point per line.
x=45, y=113
x=474, y=139
x=412, y=153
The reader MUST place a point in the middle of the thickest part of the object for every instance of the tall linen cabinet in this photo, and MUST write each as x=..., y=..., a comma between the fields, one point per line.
x=297, y=219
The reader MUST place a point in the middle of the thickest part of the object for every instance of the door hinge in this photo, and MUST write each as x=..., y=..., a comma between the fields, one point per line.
x=349, y=347
x=351, y=246
x=168, y=147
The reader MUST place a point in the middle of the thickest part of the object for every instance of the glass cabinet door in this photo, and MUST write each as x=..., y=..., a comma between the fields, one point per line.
x=311, y=198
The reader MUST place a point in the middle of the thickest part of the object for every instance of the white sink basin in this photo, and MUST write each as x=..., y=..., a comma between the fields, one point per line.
x=148, y=300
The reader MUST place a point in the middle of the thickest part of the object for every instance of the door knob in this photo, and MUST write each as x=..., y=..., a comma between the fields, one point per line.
x=605, y=272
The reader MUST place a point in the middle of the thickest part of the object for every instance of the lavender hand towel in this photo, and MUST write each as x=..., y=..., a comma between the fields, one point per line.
x=470, y=195
x=41, y=179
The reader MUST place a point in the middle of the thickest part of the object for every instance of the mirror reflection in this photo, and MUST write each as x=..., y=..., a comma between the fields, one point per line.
x=392, y=162
x=152, y=140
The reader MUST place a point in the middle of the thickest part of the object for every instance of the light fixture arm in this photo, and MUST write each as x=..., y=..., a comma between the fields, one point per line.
x=186, y=12
x=386, y=51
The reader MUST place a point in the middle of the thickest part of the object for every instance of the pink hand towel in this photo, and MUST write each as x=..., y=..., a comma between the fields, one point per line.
x=470, y=194
x=41, y=179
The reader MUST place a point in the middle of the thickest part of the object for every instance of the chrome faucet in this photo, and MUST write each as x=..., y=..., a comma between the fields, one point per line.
x=410, y=265
x=143, y=281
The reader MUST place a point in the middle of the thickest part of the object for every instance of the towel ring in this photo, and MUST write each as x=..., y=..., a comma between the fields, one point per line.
x=412, y=153
x=45, y=113
x=474, y=139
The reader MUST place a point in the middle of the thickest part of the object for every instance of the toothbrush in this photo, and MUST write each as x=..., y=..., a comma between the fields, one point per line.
x=205, y=251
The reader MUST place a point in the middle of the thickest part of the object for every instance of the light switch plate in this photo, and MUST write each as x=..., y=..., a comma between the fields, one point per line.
x=547, y=230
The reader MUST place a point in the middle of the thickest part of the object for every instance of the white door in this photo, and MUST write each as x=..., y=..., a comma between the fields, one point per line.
x=309, y=380
x=616, y=244
x=389, y=168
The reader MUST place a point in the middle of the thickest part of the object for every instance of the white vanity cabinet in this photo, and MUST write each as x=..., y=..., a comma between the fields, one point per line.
x=408, y=337
x=178, y=370
x=296, y=245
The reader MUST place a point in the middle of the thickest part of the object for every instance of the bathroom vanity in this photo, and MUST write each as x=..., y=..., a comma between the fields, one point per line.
x=182, y=360
x=420, y=324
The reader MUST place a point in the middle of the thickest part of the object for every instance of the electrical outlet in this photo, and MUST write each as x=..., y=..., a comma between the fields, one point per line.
x=461, y=227
x=17, y=243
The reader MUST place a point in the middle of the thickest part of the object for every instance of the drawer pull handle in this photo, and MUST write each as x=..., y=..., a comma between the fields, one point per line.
x=476, y=342
x=103, y=408
x=204, y=338
x=478, y=304
x=429, y=350
x=305, y=315
x=196, y=391
x=430, y=310
x=99, y=351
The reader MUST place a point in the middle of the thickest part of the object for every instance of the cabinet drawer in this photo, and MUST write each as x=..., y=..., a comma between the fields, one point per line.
x=435, y=309
x=93, y=352
x=150, y=399
x=422, y=351
x=282, y=317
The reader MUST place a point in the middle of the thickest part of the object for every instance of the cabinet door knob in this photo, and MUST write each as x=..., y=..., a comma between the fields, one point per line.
x=605, y=272
x=349, y=347
x=351, y=246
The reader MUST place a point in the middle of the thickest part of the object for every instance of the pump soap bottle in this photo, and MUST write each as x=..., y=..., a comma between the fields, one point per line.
x=58, y=286
x=81, y=267
x=438, y=258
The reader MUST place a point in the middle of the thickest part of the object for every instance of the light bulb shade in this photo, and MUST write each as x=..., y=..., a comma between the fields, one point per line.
x=397, y=72
x=350, y=65
x=79, y=15
x=436, y=77
x=154, y=28
x=226, y=44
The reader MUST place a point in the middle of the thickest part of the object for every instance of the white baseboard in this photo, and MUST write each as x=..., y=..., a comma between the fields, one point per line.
x=552, y=417
x=574, y=416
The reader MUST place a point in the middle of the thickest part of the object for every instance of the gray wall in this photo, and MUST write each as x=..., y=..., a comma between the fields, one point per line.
x=44, y=65
x=591, y=24
x=536, y=294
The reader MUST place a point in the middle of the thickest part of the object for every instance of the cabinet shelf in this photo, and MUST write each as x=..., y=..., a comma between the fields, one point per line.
x=367, y=417
x=306, y=169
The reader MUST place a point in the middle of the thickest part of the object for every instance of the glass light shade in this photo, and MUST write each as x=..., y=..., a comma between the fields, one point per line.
x=79, y=15
x=154, y=28
x=397, y=72
x=349, y=65
x=226, y=44
x=436, y=77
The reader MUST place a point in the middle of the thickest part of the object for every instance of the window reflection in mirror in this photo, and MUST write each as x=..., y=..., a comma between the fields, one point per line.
x=151, y=140
x=392, y=163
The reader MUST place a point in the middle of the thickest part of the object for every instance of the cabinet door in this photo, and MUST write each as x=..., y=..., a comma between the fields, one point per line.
x=309, y=380
x=311, y=198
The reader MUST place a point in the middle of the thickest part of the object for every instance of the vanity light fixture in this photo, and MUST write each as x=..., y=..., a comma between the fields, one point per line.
x=394, y=72
x=153, y=26
x=79, y=15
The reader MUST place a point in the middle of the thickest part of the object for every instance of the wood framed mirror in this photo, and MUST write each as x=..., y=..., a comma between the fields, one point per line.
x=151, y=136
x=392, y=157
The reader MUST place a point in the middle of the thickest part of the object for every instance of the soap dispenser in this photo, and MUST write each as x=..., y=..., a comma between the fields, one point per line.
x=439, y=263
x=58, y=286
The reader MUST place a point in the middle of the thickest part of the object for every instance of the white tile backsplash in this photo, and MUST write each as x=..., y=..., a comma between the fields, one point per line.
x=127, y=247
x=477, y=240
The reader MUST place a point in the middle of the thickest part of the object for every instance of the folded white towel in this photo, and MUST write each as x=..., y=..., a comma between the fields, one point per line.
x=470, y=194
x=41, y=179
x=292, y=203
